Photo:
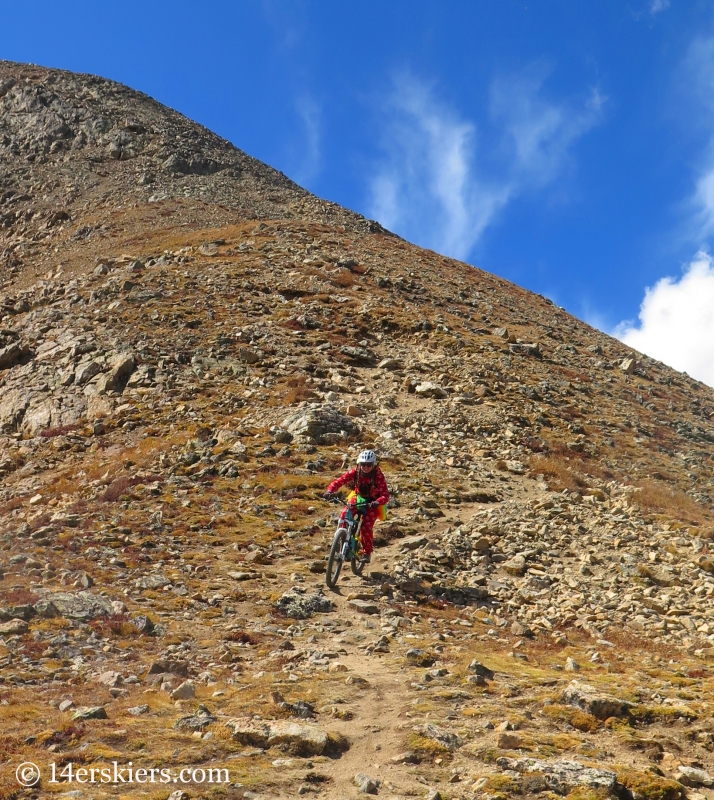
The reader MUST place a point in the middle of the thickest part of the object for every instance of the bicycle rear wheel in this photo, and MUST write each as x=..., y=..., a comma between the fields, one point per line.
x=334, y=560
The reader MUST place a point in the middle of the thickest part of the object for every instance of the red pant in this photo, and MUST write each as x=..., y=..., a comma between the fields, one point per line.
x=370, y=515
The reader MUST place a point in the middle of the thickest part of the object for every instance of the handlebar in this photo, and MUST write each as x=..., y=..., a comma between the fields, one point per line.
x=337, y=500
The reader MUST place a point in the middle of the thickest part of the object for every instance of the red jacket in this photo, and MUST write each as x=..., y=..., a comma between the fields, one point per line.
x=372, y=487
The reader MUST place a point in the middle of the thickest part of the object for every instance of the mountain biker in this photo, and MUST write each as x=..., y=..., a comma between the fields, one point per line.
x=368, y=483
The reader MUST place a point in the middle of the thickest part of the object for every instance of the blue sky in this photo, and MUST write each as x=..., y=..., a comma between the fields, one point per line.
x=566, y=145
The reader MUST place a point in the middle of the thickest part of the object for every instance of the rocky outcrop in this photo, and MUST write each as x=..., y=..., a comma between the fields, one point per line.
x=296, y=738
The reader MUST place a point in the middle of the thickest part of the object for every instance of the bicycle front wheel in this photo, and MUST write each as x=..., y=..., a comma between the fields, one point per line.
x=334, y=560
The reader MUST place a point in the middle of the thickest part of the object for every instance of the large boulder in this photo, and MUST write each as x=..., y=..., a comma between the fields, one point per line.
x=12, y=354
x=297, y=604
x=322, y=424
x=587, y=698
x=115, y=380
x=297, y=738
x=562, y=777
x=52, y=412
x=81, y=605
x=13, y=404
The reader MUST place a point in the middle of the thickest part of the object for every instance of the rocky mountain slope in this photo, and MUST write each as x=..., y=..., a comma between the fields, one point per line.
x=191, y=346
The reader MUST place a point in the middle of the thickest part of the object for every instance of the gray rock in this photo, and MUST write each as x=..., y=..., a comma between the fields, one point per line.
x=479, y=669
x=14, y=627
x=360, y=356
x=195, y=722
x=691, y=776
x=445, y=738
x=186, y=691
x=143, y=624
x=24, y=611
x=153, y=581
x=90, y=712
x=85, y=372
x=12, y=354
x=115, y=379
x=111, y=679
x=563, y=776
x=523, y=349
x=318, y=422
x=431, y=390
x=587, y=698
x=365, y=784
x=298, y=738
x=419, y=657
x=81, y=605
x=412, y=543
x=171, y=666
x=137, y=711
x=299, y=605
x=365, y=606
x=519, y=629
x=516, y=565
x=46, y=608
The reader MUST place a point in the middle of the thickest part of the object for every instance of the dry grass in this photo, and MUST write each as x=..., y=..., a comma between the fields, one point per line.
x=19, y=597
x=580, y=720
x=296, y=391
x=113, y=626
x=344, y=279
x=655, y=497
x=558, y=473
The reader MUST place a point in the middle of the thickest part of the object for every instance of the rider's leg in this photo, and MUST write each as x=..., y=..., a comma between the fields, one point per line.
x=366, y=531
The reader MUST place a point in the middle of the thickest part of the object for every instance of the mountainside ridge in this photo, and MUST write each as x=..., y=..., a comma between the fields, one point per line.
x=191, y=346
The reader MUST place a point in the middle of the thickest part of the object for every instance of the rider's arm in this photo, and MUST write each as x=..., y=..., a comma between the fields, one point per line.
x=342, y=480
x=382, y=492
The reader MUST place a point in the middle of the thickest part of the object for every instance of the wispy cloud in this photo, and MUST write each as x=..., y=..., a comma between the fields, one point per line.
x=676, y=321
x=657, y=6
x=310, y=158
x=540, y=133
x=426, y=187
x=429, y=188
x=699, y=76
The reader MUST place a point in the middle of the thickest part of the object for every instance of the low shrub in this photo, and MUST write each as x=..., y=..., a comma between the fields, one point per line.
x=61, y=430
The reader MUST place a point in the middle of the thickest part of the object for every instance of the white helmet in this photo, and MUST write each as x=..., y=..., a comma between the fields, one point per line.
x=367, y=457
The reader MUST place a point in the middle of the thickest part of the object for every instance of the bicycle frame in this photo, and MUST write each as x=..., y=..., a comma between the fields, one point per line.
x=346, y=545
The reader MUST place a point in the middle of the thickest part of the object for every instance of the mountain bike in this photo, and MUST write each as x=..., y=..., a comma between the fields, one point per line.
x=346, y=545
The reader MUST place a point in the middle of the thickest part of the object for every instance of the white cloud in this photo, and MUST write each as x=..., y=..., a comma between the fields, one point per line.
x=676, y=321
x=428, y=187
x=658, y=5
